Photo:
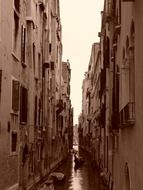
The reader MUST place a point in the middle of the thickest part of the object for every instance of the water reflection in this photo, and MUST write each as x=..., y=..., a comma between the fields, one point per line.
x=83, y=178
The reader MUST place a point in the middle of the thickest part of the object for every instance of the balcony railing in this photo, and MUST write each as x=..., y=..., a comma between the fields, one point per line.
x=127, y=115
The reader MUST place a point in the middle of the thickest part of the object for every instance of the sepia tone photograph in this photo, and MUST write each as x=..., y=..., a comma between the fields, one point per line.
x=71, y=95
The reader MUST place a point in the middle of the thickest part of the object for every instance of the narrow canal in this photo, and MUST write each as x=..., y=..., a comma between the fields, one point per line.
x=83, y=178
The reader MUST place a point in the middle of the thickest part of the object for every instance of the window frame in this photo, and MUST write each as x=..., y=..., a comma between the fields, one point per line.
x=13, y=153
x=22, y=103
x=12, y=110
x=23, y=45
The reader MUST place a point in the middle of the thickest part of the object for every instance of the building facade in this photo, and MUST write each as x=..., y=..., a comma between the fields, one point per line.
x=89, y=130
x=30, y=91
x=120, y=92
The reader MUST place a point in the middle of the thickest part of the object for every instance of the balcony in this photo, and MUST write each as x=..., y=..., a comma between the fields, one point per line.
x=127, y=115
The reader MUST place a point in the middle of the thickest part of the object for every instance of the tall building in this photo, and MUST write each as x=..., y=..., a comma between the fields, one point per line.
x=30, y=91
x=89, y=130
x=68, y=110
x=120, y=96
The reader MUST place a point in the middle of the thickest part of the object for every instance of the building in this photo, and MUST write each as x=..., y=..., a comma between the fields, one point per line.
x=120, y=96
x=30, y=91
x=89, y=130
x=117, y=42
x=67, y=114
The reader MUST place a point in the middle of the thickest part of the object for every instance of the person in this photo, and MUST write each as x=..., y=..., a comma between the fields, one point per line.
x=76, y=159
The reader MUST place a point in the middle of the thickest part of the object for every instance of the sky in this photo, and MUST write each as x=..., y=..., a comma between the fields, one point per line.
x=81, y=22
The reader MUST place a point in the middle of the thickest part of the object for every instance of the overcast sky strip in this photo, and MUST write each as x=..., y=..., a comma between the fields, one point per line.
x=81, y=22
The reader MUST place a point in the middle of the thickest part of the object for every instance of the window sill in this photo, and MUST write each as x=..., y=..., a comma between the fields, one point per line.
x=13, y=154
x=14, y=113
x=23, y=123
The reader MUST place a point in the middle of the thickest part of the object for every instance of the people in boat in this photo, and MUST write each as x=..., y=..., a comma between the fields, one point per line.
x=78, y=160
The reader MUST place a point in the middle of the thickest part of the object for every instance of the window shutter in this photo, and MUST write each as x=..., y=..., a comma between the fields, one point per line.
x=50, y=48
x=14, y=141
x=23, y=38
x=52, y=65
x=35, y=111
x=17, y=5
x=23, y=104
x=15, y=95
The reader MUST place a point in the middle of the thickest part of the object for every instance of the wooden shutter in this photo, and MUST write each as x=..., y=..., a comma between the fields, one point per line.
x=15, y=95
x=23, y=38
x=17, y=5
x=50, y=47
x=52, y=65
x=35, y=111
x=13, y=141
x=23, y=104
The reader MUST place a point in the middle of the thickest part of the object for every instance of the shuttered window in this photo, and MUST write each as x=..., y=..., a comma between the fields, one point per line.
x=15, y=95
x=13, y=141
x=50, y=48
x=16, y=32
x=35, y=111
x=52, y=65
x=23, y=104
x=23, y=38
x=17, y=5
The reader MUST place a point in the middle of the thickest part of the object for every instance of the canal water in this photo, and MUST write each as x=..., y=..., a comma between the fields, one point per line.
x=83, y=178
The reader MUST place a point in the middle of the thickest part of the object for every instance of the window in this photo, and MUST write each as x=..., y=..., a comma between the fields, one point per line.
x=50, y=47
x=132, y=64
x=23, y=39
x=16, y=29
x=17, y=5
x=35, y=111
x=39, y=113
x=34, y=57
x=15, y=95
x=38, y=151
x=52, y=65
x=23, y=104
x=39, y=63
x=13, y=141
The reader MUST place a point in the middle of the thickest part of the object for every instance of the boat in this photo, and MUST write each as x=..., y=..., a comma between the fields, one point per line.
x=78, y=161
x=57, y=177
